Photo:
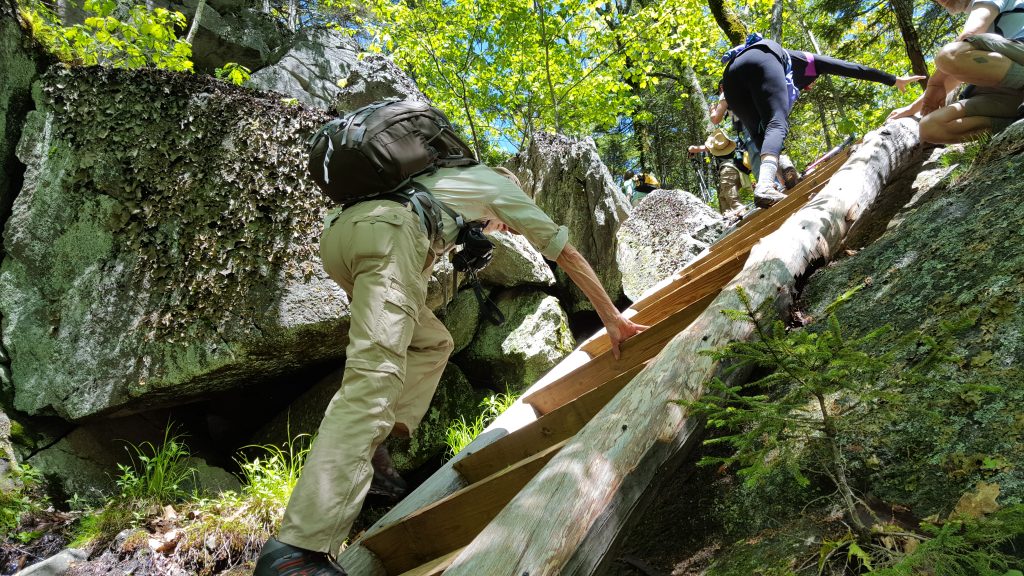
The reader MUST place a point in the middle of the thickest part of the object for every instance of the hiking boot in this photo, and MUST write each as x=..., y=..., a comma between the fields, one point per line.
x=386, y=481
x=767, y=197
x=280, y=559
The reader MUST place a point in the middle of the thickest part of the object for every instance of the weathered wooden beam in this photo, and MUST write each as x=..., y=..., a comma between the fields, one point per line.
x=453, y=522
x=564, y=521
x=550, y=429
x=435, y=567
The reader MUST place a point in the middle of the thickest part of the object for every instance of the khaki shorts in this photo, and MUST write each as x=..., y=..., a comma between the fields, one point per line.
x=999, y=104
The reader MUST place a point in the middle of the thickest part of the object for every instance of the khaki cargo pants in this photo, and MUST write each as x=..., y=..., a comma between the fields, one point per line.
x=378, y=253
x=730, y=180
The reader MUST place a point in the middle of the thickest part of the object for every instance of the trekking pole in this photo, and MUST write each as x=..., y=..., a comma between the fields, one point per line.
x=698, y=168
x=830, y=154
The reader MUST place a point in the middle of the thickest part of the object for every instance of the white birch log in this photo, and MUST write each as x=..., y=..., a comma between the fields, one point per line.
x=566, y=519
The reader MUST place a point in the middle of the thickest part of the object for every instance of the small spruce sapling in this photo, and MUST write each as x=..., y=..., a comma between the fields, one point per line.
x=821, y=386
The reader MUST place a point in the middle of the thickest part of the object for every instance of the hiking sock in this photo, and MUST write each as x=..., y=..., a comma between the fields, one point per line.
x=1014, y=77
x=766, y=175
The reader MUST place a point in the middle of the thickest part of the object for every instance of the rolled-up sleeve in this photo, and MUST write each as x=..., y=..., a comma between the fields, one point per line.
x=557, y=243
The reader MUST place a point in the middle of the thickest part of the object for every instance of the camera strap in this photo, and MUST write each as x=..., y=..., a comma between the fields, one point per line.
x=488, y=308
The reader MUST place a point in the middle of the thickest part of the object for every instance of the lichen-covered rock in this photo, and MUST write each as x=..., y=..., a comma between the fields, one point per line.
x=515, y=263
x=534, y=338
x=666, y=230
x=568, y=181
x=461, y=318
x=164, y=244
x=85, y=460
x=952, y=259
x=323, y=68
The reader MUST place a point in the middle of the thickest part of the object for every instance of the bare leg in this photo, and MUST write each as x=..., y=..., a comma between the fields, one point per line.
x=966, y=63
x=951, y=124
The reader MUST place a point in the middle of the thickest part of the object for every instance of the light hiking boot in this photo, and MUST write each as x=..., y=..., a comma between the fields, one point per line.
x=280, y=559
x=386, y=480
x=767, y=197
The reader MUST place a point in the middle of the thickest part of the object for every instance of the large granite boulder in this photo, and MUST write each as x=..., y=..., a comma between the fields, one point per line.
x=461, y=318
x=164, y=244
x=516, y=262
x=666, y=230
x=232, y=31
x=568, y=181
x=324, y=68
x=22, y=62
x=85, y=461
x=533, y=339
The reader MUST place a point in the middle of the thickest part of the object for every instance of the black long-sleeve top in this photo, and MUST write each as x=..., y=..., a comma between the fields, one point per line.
x=828, y=65
x=824, y=65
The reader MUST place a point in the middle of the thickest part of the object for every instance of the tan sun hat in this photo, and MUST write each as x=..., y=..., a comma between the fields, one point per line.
x=719, y=144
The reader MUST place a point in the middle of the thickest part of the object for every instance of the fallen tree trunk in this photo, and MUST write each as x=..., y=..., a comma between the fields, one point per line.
x=566, y=519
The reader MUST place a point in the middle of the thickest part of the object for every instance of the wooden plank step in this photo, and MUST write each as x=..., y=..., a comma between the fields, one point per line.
x=435, y=567
x=560, y=424
x=635, y=351
x=449, y=524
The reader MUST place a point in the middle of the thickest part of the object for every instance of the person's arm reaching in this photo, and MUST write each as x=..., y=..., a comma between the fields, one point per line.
x=718, y=110
x=619, y=327
x=939, y=83
x=979, y=20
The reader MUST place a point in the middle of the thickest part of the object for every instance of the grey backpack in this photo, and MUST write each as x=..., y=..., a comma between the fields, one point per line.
x=378, y=149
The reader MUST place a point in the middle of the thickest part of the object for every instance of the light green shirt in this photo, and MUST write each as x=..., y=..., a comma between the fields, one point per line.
x=481, y=194
x=627, y=188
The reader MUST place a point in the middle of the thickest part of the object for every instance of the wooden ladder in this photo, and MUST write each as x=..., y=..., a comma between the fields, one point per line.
x=426, y=541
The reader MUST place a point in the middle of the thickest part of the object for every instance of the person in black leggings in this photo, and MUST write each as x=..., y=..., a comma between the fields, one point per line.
x=755, y=88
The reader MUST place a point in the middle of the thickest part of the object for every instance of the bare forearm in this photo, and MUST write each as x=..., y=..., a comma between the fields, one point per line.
x=580, y=272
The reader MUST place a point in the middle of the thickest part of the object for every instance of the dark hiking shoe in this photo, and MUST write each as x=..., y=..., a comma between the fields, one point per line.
x=280, y=559
x=386, y=481
x=767, y=198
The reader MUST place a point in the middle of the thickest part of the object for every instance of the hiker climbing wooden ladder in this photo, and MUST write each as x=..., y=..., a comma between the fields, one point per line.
x=424, y=535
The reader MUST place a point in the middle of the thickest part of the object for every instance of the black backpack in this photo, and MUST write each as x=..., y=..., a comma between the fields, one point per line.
x=378, y=149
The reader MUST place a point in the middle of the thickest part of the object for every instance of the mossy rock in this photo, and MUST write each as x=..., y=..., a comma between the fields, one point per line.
x=533, y=339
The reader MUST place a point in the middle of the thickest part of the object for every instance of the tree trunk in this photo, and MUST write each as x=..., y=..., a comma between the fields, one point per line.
x=728, y=21
x=293, y=15
x=195, y=22
x=567, y=518
x=904, y=10
x=824, y=127
x=775, y=28
x=700, y=100
x=542, y=19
